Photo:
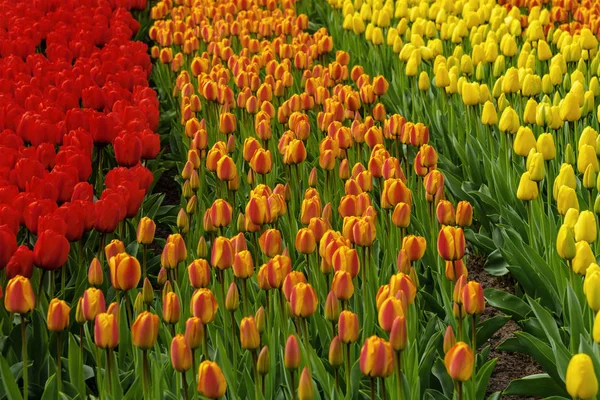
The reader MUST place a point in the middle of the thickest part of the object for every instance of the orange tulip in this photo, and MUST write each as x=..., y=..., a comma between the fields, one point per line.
x=211, y=381
x=58, y=315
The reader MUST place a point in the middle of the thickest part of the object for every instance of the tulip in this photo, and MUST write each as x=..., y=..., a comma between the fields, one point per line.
x=211, y=381
x=584, y=256
x=145, y=231
x=20, y=263
x=144, y=330
x=305, y=387
x=581, y=378
x=204, y=305
x=199, y=273
x=271, y=242
x=342, y=285
x=125, y=272
x=376, y=358
x=449, y=339
x=415, y=247
x=305, y=241
x=113, y=248
x=591, y=287
x=348, y=327
x=232, y=300
x=464, y=213
x=545, y=146
x=171, y=308
x=585, y=228
x=390, y=309
x=263, y=362
x=596, y=329
x=92, y=303
x=528, y=189
x=459, y=361
x=451, y=243
x=303, y=300
x=19, y=297
x=58, y=315
x=291, y=355
x=106, y=331
x=332, y=308
x=445, y=213
x=221, y=253
x=399, y=334
x=181, y=354
x=249, y=336
x=95, y=275
x=51, y=250
x=455, y=269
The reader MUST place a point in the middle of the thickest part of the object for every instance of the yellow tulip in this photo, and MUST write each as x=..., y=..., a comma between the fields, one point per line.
x=567, y=198
x=528, y=189
x=545, y=146
x=529, y=114
x=585, y=228
x=424, y=81
x=584, y=257
x=535, y=166
x=569, y=108
x=524, y=141
x=591, y=288
x=581, y=379
x=509, y=121
x=489, y=115
x=566, y=176
x=587, y=156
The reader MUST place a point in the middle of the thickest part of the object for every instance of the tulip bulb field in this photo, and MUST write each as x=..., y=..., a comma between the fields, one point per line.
x=299, y=199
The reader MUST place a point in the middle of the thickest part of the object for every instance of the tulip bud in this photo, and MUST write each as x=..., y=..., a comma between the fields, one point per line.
x=147, y=292
x=58, y=315
x=95, y=275
x=232, y=300
x=591, y=287
x=472, y=298
x=211, y=381
x=348, y=327
x=449, y=339
x=399, y=334
x=584, y=256
x=106, y=331
x=303, y=300
x=445, y=213
x=204, y=305
x=376, y=358
x=342, y=285
x=291, y=355
x=464, y=213
x=162, y=276
x=171, y=308
x=459, y=361
x=260, y=319
x=138, y=303
x=113, y=248
x=194, y=332
x=596, y=329
x=92, y=303
x=181, y=353
x=144, y=330
x=565, y=243
x=332, y=307
x=145, y=231
x=306, y=390
x=455, y=269
x=581, y=378
x=264, y=361
x=249, y=336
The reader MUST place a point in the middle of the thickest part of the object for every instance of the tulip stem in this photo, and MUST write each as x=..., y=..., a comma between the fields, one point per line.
x=39, y=296
x=337, y=379
x=383, y=393
x=293, y=388
x=58, y=362
x=63, y=278
x=205, y=344
x=245, y=290
x=459, y=390
x=144, y=259
x=474, y=337
x=307, y=267
x=81, y=335
x=146, y=374
x=528, y=207
x=24, y=352
x=128, y=307
x=185, y=385
x=347, y=369
x=372, y=388
x=108, y=371
x=233, y=355
x=399, y=373
x=256, y=380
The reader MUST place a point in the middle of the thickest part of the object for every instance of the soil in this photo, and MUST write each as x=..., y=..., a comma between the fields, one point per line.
x=509, y=365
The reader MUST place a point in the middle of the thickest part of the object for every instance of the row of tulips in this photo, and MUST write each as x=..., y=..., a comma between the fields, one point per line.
x=525, y=76
x=78, y=149
x=291, y=166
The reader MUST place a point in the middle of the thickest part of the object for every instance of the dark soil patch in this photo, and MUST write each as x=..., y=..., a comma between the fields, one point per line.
x=509, y=365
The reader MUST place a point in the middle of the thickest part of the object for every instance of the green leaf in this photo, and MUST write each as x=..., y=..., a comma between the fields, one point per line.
x=507, y=303
x=534, y=385
x=489, y=327
x=495, y=264
x=576, y=327
x=51, y=389
x=483, y=377
x=76, y=366
x=8, y=381
x=548, y=323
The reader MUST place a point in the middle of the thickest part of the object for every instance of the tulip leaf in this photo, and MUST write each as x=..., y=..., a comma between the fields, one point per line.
x=507, y=303
x=489, y=327
x=51, y=389
x=534, y=385
x=540, y=351
x=495, y=396
x=495, y=264
x=576, y=326
x=439, y=371
x=545, y=318
x=8, y=381
x=75, y=366
x=434, y=395
x=483, y=377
